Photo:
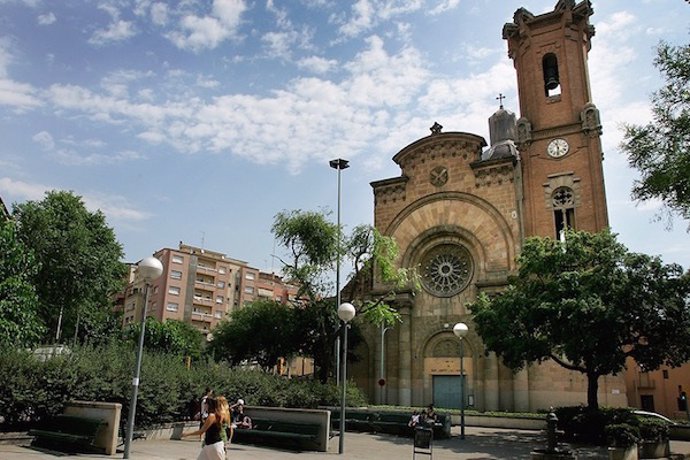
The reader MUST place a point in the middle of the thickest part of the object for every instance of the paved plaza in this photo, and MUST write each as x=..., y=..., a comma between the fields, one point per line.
x=479, y=444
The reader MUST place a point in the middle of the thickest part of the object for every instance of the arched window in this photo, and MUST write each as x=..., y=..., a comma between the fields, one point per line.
x=552, y=83
x=563, y=202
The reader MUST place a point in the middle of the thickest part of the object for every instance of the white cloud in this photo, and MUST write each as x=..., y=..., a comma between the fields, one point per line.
x=317, y=64
x=22, y=190
x=46, y=19
x=113, y=206
x=20, y=96
x=201, y=32
x=367, y=14
x=71, y=157
x=116, y=31
x=159, y=13
x=45, y=140
x=443, y=6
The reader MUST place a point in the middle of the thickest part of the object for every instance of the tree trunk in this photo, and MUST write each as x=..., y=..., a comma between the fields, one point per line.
x=592, y=390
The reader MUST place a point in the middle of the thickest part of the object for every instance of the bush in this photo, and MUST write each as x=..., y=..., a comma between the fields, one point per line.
x=622, y=435
x=653, y=430
x=32, y=389
x=582, y=424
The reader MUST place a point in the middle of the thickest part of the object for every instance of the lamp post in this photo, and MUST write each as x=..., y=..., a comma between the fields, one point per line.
x=460, y=330
x=382, y=369
x=338, y=164
x=346, y=312
x=148, y=270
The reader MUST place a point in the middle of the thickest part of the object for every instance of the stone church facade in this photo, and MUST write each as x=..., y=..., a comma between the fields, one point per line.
x=461, y=209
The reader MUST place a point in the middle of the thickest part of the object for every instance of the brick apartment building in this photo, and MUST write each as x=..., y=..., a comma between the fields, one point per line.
x=201, y=287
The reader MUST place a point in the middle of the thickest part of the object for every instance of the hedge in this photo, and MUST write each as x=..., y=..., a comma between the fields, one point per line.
x=32, y=389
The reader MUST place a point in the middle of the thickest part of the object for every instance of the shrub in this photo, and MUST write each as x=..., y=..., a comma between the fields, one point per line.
x=32, y=389
x=622, y=435
x=586, y=425
x=653, y=430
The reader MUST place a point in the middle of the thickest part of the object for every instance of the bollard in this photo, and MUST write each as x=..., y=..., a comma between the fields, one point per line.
x=551, y=422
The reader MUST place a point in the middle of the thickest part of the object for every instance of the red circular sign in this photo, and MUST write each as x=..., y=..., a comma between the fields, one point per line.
x=382, y=382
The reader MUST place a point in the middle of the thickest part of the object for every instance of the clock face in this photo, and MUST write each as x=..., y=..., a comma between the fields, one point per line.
x=557, y=148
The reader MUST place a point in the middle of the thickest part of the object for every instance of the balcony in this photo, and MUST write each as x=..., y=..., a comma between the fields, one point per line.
x=206, y=269
x=203, y=300
x=206, y=284
x=204, y=317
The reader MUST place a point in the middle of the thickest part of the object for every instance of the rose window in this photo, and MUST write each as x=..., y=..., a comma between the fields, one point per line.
x=446, y=270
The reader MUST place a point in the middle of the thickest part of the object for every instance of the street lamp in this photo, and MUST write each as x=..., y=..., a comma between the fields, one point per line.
x=382, y=369
x=338, y=164
x=148, y=270
x=346, y=312
x=460, y=330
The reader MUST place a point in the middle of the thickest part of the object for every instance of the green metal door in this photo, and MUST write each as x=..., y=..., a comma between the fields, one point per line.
x=447, y=391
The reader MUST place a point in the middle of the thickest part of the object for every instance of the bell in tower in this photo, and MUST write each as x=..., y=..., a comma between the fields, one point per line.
x=550, y=69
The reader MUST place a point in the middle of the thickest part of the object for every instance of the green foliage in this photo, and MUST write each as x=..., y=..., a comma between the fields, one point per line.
x=172, y=336
x=262, y=331
x=583, y=424
x=32, y=389
x=20, y=324
x=622, y=435
x=313, y=247
x=629, y=305
x=312, y=244
x=653, y=429
x=78, y=256
x=660, y=150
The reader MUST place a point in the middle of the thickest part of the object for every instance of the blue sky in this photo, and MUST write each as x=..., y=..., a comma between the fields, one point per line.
x=200, y=120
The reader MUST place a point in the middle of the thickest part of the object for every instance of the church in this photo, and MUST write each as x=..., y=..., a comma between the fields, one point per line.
x=460, y=210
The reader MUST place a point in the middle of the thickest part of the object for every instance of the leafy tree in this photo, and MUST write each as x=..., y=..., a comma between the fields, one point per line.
x=171, y=337
x=313, y=246
x=588, y=305
x=20, y=324
x=78, y=256
x=262, y=331
x=660, y=150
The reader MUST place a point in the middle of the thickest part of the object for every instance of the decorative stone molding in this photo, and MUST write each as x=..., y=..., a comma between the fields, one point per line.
x=524, y=132
x=591, y=122
x=563, y=180
x=494, y=175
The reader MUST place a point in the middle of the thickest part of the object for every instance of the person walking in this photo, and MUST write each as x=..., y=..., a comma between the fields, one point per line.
x=213, y=447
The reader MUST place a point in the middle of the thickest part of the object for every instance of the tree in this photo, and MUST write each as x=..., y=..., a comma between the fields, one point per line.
x=588, y=305
x=262, y=331
x=313, y=246
x=20, y=325
x=78, y=256
x=171, y=336
x=660, y=150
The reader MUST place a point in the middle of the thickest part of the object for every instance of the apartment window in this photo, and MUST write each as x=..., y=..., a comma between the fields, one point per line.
x=155, y=289
x=176, y=275
x=154, y=305
x=221, y=270
x=221, y=284
x=174, y=290
x=177, y=259
x=250, y=276
x=218, y=314
x=219, y=299
x=249, y=290
x=172, y=306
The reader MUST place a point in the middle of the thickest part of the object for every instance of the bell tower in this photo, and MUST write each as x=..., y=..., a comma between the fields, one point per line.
x=558, y=133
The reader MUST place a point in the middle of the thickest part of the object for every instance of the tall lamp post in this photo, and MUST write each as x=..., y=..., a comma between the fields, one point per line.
x=148, y=270
x=346, y=312
x=382, y=369
x=460, y=330
x=339, y=164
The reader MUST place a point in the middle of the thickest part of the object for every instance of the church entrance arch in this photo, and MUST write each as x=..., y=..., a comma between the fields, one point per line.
x=442, y=377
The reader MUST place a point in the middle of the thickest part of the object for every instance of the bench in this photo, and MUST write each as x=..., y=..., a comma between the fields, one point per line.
x=354, y=420
x=388, y=422
x=266, y=431
x=68, y=432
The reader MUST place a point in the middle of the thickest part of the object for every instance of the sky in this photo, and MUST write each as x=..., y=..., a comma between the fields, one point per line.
x=198, y=121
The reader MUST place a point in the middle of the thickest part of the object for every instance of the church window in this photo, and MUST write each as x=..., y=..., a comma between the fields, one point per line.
x=447, y=270
x=563, y=202
x=552, y=84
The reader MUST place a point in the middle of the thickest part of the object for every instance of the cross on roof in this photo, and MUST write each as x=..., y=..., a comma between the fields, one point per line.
x=500, y=98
